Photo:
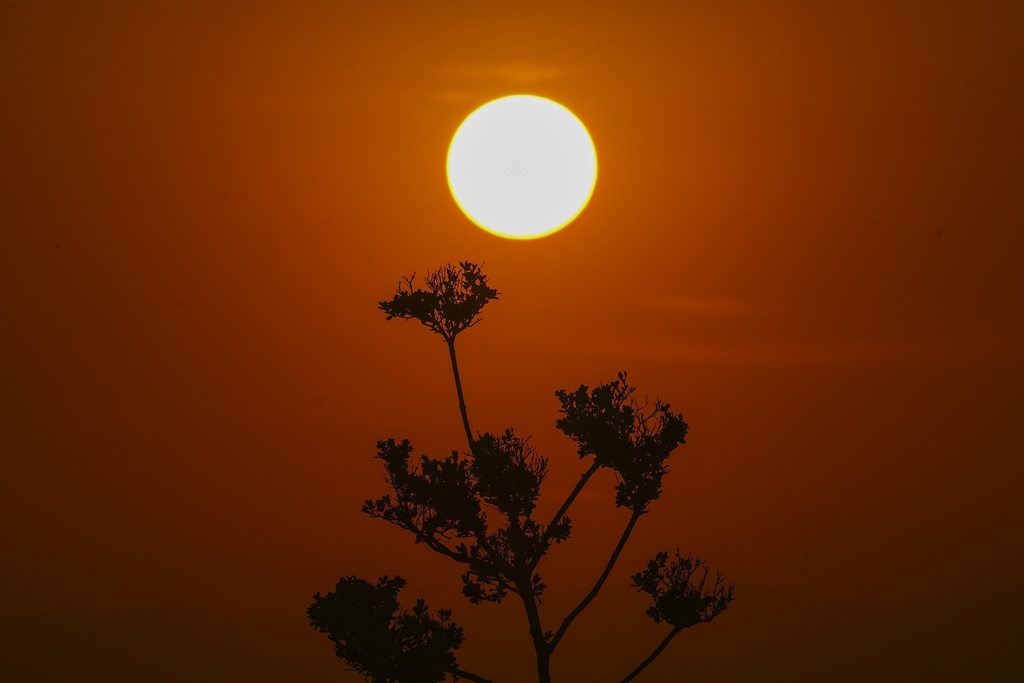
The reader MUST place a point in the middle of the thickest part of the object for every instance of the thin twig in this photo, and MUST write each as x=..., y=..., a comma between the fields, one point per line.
x=653, y=655
x=469, y=677
x=600, y=581
x=546, y=538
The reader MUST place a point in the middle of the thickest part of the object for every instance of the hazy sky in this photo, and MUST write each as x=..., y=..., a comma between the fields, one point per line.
x=805, y=235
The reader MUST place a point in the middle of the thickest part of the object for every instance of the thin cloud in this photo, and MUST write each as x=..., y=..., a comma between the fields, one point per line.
x=836, y=353
x=466, y=80
x=519, y=72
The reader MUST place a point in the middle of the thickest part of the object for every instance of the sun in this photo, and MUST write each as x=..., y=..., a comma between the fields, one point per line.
x=522, y=167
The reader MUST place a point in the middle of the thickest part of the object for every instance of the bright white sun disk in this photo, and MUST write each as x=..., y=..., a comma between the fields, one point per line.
x=522, y=167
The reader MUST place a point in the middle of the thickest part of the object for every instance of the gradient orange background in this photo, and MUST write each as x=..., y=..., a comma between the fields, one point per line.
x=806, y=235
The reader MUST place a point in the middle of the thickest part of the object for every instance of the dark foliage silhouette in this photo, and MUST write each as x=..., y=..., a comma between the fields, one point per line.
x=477, y=508
x=378, y=639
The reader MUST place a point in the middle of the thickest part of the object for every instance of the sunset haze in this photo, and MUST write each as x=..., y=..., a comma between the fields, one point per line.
x=806, y=235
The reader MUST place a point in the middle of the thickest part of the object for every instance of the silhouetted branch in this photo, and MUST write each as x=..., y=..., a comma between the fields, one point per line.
x=477, y=508
x=553, y=525
x=677, y=590
x=458, y=389
x=459, y=673
x=651, y=657
x=540, y=644
x=437, y=546
x=600, y=581
x=451, y=303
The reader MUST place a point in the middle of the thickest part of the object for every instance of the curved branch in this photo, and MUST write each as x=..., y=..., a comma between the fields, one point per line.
x=546, y=538
x=459, y=673
x=440, y=548
x=600, y=581
x=406, y=521
x=653, y=655
x=450, y=341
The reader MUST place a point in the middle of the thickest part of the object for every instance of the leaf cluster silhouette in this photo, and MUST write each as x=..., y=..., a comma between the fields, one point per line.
x=451, y=303
x=679, y=591
x=478, y=508
x=379, y=639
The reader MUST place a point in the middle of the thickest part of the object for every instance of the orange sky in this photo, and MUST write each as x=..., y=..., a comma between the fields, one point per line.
x=806, y=235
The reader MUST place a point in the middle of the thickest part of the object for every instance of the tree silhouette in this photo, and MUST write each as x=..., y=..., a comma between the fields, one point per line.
x=477, y=508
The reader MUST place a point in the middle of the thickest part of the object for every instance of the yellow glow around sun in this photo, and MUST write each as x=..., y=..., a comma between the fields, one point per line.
x=522, y=167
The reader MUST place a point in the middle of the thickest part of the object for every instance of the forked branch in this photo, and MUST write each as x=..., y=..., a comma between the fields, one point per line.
x=445, y=503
